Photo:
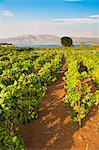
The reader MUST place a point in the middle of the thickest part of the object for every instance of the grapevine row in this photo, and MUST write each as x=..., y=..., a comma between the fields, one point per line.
x=24, y=76
x=82, y=68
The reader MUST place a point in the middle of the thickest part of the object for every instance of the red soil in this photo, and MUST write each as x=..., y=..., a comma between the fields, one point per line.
x=53, y=129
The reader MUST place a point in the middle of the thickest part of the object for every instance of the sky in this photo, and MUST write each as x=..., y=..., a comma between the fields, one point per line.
x=78, y=18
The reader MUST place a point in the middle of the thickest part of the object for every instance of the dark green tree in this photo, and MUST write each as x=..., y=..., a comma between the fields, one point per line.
x=66, y=41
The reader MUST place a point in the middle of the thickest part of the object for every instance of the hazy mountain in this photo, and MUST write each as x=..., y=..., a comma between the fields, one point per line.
x=44, y=39
x=30, y=39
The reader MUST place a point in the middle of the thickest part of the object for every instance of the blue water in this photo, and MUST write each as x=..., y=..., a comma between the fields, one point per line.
x=48, y=46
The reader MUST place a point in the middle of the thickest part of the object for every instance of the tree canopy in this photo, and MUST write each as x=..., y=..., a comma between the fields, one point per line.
x=66, y=41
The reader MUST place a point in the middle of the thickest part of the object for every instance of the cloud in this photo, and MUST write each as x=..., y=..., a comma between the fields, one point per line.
x=84, y=27
x=7, y=13
x=72, y=21
x=94, y=16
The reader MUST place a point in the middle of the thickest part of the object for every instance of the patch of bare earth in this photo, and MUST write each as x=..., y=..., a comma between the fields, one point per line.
x=53, y=129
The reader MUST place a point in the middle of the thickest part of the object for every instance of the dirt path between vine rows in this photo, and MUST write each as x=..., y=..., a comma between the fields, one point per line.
x=53, y=129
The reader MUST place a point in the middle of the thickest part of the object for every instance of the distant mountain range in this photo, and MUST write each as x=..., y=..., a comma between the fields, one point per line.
x=45, y=40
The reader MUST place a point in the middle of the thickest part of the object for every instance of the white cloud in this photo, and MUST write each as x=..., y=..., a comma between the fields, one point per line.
x=7, y=13
x=94, y=16
x=72, y=21
x=84, y=27
x=14, y=28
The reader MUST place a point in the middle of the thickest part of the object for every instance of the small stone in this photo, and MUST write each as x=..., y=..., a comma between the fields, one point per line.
x=48, y=132
x=79, y=137
x=57, y=135
x=91, y=119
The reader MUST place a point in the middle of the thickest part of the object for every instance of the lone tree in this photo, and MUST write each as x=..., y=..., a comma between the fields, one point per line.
x=66, y=41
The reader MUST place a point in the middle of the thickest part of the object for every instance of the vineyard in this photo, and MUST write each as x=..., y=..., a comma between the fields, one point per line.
x=25, y=77
x=82, y=68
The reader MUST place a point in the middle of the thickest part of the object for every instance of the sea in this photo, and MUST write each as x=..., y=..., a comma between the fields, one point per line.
x=48, y=45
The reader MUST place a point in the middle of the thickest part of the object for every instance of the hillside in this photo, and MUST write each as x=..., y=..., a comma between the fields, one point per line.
x=30, y=39
x=44, y=39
